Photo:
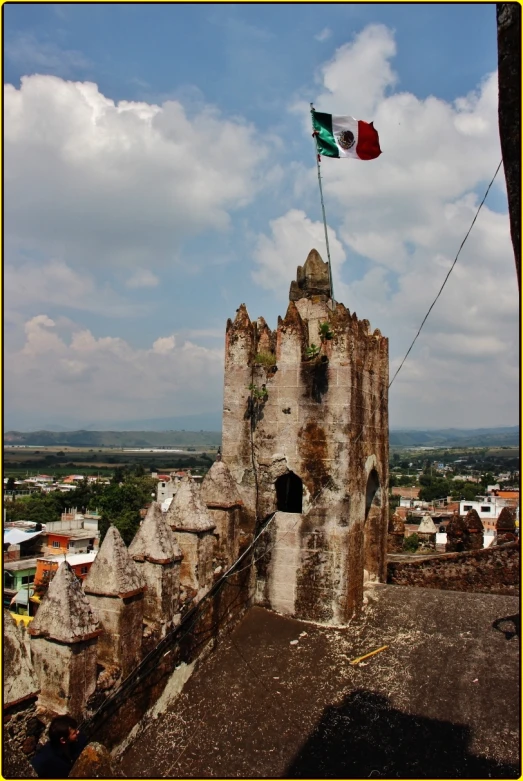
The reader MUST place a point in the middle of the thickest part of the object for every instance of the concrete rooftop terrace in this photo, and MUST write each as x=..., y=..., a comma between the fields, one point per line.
x=442, y=701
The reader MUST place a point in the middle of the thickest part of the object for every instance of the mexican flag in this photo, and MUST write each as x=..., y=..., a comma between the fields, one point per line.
x=345, y=137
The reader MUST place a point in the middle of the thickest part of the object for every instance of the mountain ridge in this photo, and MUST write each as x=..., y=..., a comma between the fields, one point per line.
x=507, y=436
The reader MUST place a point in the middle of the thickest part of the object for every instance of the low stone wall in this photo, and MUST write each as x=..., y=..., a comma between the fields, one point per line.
x=22, y=727
x=491, y=570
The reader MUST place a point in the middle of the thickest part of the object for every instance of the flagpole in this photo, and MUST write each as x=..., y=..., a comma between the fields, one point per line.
x=314, y=134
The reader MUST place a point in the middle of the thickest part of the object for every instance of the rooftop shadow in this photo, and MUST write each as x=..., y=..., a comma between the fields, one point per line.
x=365, y=737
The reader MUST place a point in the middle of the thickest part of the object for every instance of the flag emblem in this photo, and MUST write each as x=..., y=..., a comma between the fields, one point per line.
x=346, y=139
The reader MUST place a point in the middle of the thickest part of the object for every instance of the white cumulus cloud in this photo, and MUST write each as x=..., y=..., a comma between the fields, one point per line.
x=323, y=35
x=89, y=180
x=112, y=378
x=291, y=238
x=142, y=278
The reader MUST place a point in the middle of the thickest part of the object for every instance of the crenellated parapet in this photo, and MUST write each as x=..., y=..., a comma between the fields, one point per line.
x=265, y=339
x=239, y=338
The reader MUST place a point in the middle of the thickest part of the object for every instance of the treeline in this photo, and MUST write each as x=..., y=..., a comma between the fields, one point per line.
x=435, y=487
x=116, y=439
x=455, y=437
x=118, y=503
x=62, y=463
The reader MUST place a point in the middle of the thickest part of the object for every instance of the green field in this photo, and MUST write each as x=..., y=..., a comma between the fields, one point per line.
x=114, y=439
x=62, y=461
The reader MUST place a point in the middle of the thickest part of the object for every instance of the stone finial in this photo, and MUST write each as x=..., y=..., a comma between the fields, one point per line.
x=187, y=511
x=456, y=533
x=154, y=540
x=456, y=527
x=395, y=533
x=113, y=572
x=19, y=679
x=396, y=524
x=265, y=338
x=219, y=488
x=506, y=521
x=242, y=319
x=312, y=278
x=65, y=613
x=473, y=522
x=293, y=318
x=427, y=525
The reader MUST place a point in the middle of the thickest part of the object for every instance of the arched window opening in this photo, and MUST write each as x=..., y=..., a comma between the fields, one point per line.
x=289, y=493
x=372, y=548
x=373, y=493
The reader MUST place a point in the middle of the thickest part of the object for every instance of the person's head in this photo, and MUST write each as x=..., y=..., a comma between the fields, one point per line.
x=63, y=730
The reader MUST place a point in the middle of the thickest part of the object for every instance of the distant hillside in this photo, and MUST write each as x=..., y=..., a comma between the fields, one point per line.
x=118, y=439
x=206, y=421
x=456, y=437
x=451, y=437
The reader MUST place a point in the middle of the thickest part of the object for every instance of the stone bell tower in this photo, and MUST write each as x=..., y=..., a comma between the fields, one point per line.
x=305, y=433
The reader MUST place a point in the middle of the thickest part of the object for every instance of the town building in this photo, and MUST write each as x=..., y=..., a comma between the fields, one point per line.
x=487, y=507
x=46, y=566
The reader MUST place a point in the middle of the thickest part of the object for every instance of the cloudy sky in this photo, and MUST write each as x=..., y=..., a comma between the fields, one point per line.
x=160, y=170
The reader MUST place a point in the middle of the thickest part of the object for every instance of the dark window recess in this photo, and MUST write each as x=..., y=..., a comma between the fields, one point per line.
x=373, y=493
x=485, y=509
x=289, y=493
x=467, y=507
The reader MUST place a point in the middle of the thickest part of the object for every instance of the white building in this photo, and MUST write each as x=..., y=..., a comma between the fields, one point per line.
x=166, y=489
x=487, y=507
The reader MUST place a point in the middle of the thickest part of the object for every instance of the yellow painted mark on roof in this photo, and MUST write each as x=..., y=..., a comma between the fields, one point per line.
x=359, y=659
x=23, y=619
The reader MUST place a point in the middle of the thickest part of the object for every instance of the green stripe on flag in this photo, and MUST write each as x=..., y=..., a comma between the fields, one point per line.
x=325, y=142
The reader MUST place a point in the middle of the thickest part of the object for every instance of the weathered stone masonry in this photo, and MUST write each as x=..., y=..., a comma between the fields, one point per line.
x=309, y=436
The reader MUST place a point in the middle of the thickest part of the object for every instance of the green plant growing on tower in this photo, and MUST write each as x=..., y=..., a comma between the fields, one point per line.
x=313, y=351
x=265, y=359
x=325, y=331
x=258, y=394
x=411, y=543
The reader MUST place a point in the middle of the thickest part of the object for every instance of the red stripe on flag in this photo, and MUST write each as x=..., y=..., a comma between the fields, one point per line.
x=368, y=146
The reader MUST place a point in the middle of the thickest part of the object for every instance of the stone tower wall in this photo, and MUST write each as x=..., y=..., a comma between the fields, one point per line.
x=325, y=420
